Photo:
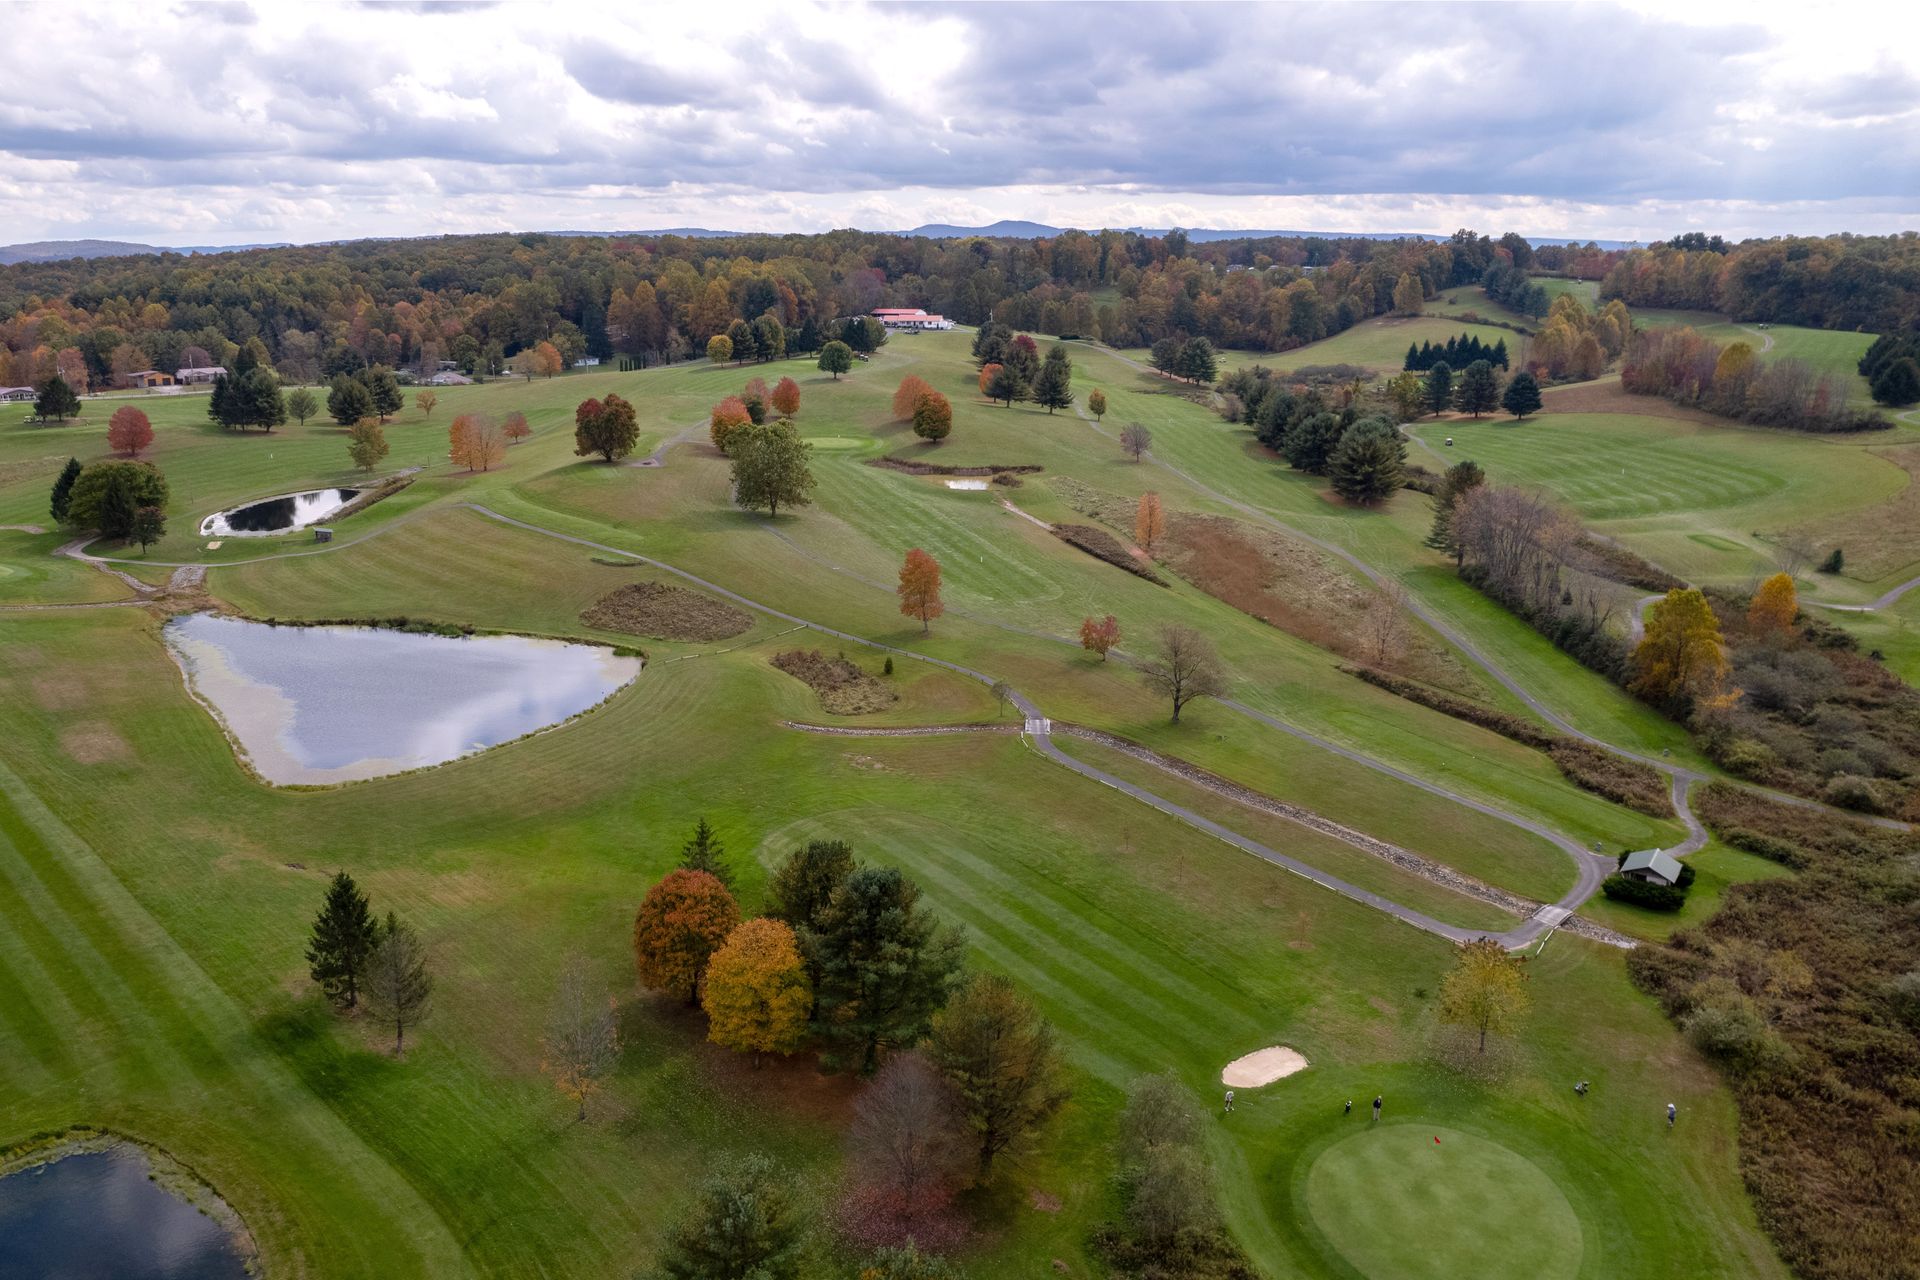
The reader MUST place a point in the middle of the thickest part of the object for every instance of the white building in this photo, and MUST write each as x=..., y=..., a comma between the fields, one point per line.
x=910, y=319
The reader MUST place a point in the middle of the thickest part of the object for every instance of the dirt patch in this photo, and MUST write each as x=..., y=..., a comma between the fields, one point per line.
x=662, y=612
x=844, y=689
x=1043, y=1202
x=94, y=742
x=1263, y=1066
x=1102, y=545
x=60, y=693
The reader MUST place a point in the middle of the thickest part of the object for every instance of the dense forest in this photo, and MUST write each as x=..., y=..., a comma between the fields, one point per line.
x=1866, y=283
x=477, y=300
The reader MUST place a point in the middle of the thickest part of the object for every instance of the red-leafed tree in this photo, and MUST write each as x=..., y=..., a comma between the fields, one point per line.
x=1097, y=635
x=728, y=416
x=129, y=431
x=907, y=397
x=919, y=588
x=682, y=921
x=786, y=398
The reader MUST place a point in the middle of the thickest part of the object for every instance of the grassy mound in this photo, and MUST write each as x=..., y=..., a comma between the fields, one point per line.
x=844, y=688
x=662, y=612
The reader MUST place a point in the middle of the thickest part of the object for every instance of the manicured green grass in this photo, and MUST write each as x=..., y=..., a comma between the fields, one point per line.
x=1404, y=1201
x=1709, y=503
x=160, y=897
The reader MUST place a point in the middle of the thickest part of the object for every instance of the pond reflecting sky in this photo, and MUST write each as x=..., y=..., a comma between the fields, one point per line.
x=97, y=1216
x=333, y=704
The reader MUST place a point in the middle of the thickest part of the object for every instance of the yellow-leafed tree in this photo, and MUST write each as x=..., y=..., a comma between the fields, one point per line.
x=1774, y=607
x=1682, y=657
x=756, y=995
x=1485, y=991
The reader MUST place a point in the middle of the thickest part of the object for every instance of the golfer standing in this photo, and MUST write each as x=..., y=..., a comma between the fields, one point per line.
x=1229, y=1099
x=1376, y=1106
x=1670, y=1114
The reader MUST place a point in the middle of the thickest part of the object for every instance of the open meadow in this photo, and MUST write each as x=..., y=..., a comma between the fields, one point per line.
x=160, y=894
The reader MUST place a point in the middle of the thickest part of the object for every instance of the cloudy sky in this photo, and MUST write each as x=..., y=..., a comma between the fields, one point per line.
x=237, y=123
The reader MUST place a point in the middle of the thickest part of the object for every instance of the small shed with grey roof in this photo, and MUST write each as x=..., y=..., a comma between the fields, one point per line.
x=1655, y=866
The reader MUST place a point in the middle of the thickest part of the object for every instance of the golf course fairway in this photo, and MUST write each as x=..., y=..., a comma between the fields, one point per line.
x=1393, y=1203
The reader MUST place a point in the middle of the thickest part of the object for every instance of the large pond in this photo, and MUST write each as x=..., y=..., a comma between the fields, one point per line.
x=97, y=1214
x=277, y=515
x=315, y=705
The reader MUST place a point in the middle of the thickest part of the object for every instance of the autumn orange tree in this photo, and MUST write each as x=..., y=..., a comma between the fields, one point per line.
x=475, y=442
x=1681, y=659
x=514, y=427
x=425, y=400
x=757, y=995
x=1150, y=521
x=582, y=1041
x=907, y=397
x=1775, y=605
x=1097, y=404
x=727, y=417
x=786, y=398
x=988, y=372
x=129, y=431
x=682, y=921
x=919, y=588
x=1097, y=635
x=547, y=361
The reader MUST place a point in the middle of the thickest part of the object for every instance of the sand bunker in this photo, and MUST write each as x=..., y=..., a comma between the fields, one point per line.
x=1263, y=1066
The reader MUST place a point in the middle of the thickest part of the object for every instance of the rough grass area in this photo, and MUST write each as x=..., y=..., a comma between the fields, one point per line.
x=1793, y=989
x=1102, y=545
x=844, y=688
x=662, y=612
x=1638, y=786
x=917, y=467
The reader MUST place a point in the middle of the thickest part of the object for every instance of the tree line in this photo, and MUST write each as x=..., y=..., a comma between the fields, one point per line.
x=478, y=301
x=1891, y=367
x=1457, y=353
x=1733, y=381
x=1865, y=283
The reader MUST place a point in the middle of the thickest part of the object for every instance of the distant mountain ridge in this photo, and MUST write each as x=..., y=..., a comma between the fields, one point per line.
x=60, y=250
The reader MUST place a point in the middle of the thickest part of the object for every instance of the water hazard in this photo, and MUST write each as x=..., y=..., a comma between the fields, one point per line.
x=277, y=515
x=315, y=705
x=98, y=1214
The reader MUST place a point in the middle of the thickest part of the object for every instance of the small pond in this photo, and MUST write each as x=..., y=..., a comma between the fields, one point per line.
x=972, y=482
x=98, y=1214
x=316, y=705
x=277, y=515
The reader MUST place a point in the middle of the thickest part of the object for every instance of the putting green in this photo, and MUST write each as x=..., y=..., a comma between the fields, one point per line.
x=837, y=442
x=1398, y=1206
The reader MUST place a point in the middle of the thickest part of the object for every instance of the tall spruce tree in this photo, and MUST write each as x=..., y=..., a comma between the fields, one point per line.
x=1054, y=387
x=56, y=400
x=805, y=881
x=1479, y=389
x=348, y=400
x=704, y=852
x=1440, y=387
x=63, y=491
x=1369, y=462
x=1522, y=395
x=885, y=967
x=1460, y=477
x=344, y=935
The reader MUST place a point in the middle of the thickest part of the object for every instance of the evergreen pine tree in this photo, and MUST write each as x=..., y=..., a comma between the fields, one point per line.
x=63, y=490
x=1459, y=478
x=1440, y=386
x=1500, y=353
x=1479, y=389
x=344, y=935
x=1522, y=396
x=1054, y=387
x=1198, y=362
x=1899, y=382
x=884, y=965
x=1413, y=357
x=56, y=400
x=704, y=852
x=1369, y=462
x=746, y=1225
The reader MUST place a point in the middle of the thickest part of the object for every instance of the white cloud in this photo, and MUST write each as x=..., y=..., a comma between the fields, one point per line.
x=307, y=121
